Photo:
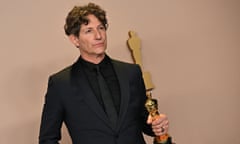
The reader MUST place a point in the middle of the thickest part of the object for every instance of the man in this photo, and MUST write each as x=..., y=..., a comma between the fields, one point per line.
x=75, y=95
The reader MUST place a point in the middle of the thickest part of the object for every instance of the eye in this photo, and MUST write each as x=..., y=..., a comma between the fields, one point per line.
x=88, y=31
x=102, y=27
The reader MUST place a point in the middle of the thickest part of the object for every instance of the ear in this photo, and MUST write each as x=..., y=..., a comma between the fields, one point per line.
x=74, y=40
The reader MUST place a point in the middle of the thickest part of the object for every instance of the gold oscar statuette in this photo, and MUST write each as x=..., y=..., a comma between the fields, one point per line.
x=151, y=105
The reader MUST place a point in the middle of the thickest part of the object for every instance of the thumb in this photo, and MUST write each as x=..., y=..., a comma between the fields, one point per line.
x=150, y=119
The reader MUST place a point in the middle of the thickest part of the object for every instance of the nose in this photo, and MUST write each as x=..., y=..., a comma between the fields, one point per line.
x=98, y=34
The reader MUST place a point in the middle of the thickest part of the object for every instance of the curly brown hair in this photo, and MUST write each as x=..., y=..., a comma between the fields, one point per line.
x=78, y=16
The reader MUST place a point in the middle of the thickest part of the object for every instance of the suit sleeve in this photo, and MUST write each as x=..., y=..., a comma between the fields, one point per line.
x=147, y=129
x=52, y=116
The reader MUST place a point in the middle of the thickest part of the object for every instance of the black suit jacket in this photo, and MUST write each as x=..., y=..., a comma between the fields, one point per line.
x=70, y=99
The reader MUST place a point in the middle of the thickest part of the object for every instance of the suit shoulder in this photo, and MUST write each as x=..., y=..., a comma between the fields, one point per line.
x=127, y=68
x=61, y=75
x=125, y=64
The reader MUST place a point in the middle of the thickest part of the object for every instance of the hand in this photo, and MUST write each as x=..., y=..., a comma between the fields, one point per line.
x=160, y=124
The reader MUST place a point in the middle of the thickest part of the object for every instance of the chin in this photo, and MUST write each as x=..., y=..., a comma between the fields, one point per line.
x=101, y=51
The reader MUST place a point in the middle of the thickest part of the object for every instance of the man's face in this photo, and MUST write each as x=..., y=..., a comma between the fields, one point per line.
x=92, y=40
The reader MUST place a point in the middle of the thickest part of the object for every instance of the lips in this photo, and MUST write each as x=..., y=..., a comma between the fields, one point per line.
x=99, y=44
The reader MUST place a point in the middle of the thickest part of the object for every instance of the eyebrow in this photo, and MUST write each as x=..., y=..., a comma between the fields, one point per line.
x=90, y=27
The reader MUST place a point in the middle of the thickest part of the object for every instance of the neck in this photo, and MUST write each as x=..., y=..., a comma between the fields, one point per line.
x=96, y=59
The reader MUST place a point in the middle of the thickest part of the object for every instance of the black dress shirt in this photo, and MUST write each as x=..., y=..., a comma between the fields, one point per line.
x=109, y=75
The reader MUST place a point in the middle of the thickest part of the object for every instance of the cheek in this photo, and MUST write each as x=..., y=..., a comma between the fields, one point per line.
x=83, y=44
x=105, y=42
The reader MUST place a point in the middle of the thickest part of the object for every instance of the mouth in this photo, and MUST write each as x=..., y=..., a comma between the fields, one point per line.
x=99, y=44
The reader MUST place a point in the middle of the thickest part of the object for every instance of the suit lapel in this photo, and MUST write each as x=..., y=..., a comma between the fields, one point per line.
x=83, y=89
x=124, y=88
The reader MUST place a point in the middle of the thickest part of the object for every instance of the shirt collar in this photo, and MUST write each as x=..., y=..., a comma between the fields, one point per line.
x=91, y=66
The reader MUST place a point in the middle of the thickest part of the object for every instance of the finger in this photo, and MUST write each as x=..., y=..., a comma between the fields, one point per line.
x=150, y=119
x=163, y=124
x=160, y=126
x=161, y=131
x=166, y=128
x=160, y=119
